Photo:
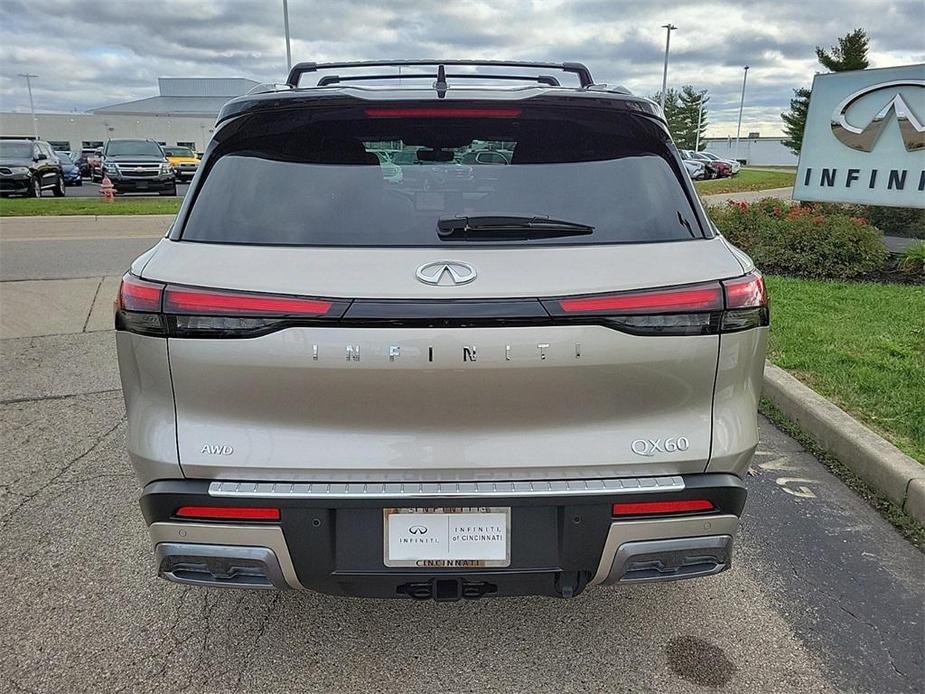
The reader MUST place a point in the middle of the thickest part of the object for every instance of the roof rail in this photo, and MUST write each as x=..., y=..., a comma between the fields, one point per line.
x=584, y=74
x=336, y=79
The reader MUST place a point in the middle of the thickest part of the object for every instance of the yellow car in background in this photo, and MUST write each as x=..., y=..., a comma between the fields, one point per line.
x=183, y=161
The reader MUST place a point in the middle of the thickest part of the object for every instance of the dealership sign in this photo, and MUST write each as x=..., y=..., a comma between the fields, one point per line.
x=865, y=138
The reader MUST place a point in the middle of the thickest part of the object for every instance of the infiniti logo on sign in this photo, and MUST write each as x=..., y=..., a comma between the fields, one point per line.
x=445, y=273
x=417, y=530
x=910, y=128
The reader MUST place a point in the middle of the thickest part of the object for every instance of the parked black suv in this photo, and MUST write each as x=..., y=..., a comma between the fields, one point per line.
x=138, y=166
x=28, y=167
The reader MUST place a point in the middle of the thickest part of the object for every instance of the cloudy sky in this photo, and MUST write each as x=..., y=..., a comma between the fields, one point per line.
x=91, y=53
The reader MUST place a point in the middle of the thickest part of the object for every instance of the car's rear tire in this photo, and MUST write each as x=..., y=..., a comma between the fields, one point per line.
x=59, y=190
x=35, y=188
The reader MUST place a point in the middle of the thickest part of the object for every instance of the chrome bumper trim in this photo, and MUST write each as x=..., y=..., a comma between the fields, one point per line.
x=270, y=537
x=622, y=532
x=388, y=490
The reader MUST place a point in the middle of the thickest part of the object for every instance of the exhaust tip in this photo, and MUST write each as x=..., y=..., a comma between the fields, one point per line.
x=223, y=566
x=671, y=560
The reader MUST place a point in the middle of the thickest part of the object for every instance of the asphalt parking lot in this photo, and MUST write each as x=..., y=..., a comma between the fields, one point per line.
x=824, y=595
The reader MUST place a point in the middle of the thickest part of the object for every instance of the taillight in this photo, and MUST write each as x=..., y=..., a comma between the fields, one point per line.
x=238, y=513
x=139, y=295
x=708, y=297
x=445, y=112
x=138, y=306
x=150, y=308
x=182, y=300
x=659, y=508
x=746, y=303
x=746, y=292
x=697, y=309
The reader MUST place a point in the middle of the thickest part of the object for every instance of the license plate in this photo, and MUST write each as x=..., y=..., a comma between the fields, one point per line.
x=447, y=537
x=142, y=185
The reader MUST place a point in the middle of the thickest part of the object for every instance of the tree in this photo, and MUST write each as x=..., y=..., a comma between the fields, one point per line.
x=681, y=112
x=849, y=54
x=686, y=131
x=795, y=119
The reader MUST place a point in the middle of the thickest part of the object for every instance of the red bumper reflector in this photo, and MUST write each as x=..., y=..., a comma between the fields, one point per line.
x=228, y=513
x=442, y=112
x=229, y=303
x=678, y=300
x=647, y=508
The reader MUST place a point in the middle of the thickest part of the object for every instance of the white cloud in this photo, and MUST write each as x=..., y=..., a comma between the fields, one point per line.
x=108, y=52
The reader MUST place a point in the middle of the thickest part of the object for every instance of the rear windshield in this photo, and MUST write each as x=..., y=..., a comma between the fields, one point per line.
x=398, y=181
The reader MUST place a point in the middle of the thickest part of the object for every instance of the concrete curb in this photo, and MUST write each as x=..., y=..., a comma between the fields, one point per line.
x=874, y=459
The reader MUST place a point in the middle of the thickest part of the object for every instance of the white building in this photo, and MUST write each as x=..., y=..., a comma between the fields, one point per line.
x=182, y=114
x=752, y=150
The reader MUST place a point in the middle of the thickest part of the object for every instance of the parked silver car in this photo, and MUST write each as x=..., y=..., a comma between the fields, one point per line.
x=540, y=382
x=697, y=170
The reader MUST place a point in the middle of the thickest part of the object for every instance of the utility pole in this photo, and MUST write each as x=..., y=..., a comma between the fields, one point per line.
x=699, y=122
x=741, y=106
x=29, y=78
x=286, y=26
x=669, y=28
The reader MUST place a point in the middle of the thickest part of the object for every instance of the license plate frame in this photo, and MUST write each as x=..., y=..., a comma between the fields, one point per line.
x=455, y=549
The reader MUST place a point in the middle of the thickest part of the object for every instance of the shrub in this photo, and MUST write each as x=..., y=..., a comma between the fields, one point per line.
x=892, y=221
x=802, y=240
x=913, y=260
x=896, y=221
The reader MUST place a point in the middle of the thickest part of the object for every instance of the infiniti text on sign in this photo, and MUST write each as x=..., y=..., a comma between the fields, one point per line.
x=865, y=138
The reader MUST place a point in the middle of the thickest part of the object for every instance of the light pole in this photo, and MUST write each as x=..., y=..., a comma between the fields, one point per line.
x=668, y=28
x=29, y=78
x=741, y=106
x=699, y=123
x=286, y=27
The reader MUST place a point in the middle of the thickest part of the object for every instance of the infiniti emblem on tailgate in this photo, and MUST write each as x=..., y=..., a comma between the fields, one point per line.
x=445, y=272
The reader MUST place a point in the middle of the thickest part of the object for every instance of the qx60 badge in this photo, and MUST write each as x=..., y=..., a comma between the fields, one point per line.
x=445, y=273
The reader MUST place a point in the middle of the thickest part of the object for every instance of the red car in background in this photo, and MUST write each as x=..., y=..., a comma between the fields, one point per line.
x=86, y=161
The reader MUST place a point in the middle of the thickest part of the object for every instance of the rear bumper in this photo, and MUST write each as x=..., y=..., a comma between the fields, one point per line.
x=560, y=542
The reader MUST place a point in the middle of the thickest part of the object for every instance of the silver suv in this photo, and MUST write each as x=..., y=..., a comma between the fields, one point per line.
x=531, y=378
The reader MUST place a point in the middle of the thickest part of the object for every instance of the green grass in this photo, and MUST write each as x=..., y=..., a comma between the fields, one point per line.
x=21, y=207
x=746, y=179
x=862, y=345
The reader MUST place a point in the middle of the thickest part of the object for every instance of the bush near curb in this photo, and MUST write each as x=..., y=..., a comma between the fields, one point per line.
x=801, y=240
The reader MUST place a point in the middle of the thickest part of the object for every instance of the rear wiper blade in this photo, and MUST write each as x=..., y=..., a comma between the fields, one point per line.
x=489, y=227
